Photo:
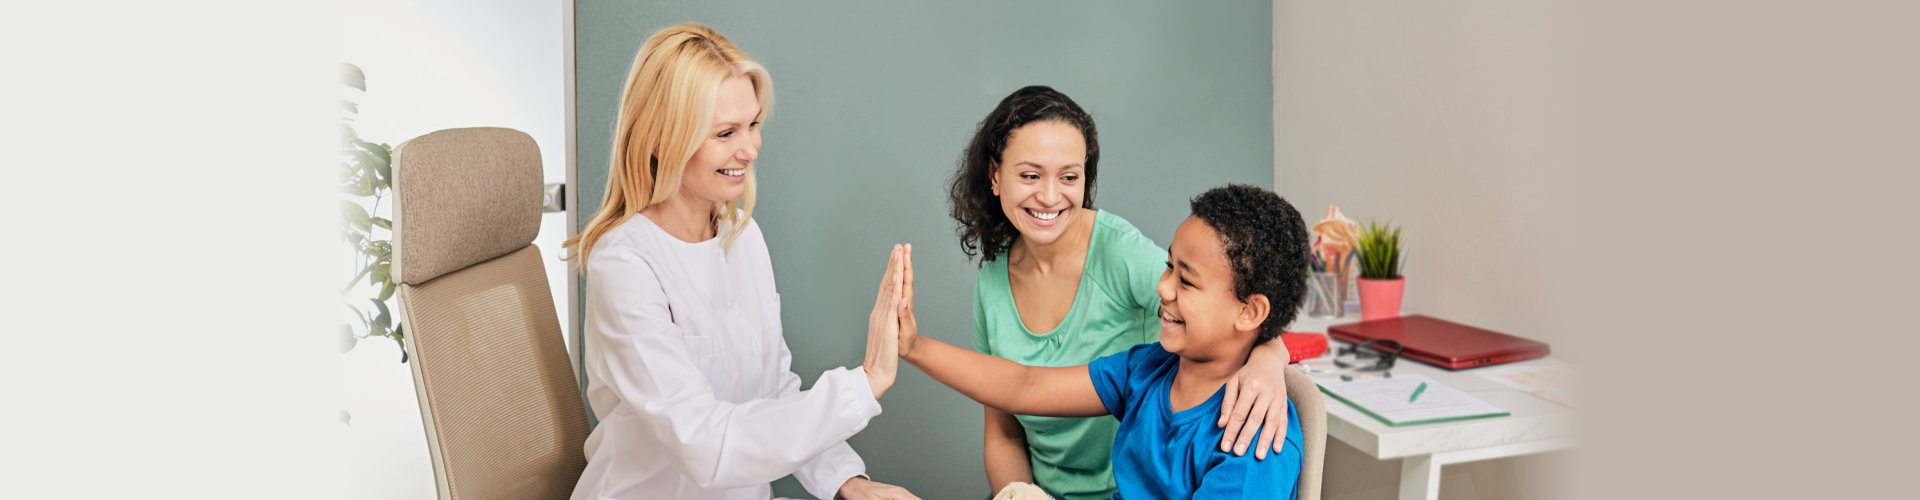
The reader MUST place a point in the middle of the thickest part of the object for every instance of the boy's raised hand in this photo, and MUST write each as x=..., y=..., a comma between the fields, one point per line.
x=909, y=327
x=883, y=329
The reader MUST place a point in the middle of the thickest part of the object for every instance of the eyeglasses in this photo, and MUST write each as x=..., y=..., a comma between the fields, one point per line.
x=1368, y=358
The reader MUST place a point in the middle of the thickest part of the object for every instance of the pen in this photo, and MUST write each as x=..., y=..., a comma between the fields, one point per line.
x=1417, y=391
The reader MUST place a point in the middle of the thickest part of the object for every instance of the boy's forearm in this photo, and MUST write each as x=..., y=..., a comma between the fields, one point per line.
x=992, y=381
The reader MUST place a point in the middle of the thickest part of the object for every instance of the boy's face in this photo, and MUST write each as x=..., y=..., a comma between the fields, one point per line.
x=1200, y=319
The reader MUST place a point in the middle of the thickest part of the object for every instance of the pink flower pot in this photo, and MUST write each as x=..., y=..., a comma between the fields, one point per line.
x=1380, y=299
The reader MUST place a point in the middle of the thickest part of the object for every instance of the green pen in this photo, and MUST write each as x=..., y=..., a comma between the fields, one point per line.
x=1417, y=391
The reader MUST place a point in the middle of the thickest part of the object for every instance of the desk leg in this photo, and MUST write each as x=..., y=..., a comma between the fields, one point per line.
x=1420, y=474
x=1419, y=478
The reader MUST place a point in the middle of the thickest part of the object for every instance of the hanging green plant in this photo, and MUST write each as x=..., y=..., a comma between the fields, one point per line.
x=366, y=179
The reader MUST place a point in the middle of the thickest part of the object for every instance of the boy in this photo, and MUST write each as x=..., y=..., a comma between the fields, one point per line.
x=1236, y=274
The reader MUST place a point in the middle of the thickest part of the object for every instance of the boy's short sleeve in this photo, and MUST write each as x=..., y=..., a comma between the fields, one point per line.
x=1114, y=376
x=1245, y=476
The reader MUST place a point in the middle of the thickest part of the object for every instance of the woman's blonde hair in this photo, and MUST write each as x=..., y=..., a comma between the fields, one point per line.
x=664, y=115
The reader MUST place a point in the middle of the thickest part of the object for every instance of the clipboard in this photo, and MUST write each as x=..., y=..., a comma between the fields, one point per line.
x=1387, y=399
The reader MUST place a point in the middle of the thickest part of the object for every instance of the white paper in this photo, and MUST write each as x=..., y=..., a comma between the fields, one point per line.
x=1388, y=398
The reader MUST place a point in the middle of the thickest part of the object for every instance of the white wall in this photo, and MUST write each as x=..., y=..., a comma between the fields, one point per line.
x=431, y=65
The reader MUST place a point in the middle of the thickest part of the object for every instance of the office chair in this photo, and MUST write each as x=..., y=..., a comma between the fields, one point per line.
x=502, y=408
x=1312, y=409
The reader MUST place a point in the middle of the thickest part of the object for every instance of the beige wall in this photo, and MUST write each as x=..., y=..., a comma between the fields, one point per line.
x=1442, y=117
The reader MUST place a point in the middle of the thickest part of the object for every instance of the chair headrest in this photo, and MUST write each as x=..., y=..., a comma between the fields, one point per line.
x=462, y=197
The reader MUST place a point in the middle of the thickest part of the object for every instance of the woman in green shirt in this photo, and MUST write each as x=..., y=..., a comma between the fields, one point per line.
x=1075, y=284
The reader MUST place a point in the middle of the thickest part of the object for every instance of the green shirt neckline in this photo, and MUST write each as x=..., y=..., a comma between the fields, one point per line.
x=1079, y=291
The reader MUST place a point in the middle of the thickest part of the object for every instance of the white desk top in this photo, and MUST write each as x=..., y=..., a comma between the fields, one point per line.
x=1533, y=419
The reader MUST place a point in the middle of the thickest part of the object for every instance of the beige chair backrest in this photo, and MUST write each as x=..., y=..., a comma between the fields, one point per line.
x=1312, y=408
x=503, y=413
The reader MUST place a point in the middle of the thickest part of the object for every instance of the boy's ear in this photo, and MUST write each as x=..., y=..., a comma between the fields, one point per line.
x=1253, y=312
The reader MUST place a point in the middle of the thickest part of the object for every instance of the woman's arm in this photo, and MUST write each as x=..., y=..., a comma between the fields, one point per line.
x=1006, y=451
x=637, y=353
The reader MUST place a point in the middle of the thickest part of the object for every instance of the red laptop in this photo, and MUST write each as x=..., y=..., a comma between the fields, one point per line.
x=1439, y=342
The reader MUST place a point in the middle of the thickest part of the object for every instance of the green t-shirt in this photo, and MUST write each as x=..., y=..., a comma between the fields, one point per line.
x=1116, y=308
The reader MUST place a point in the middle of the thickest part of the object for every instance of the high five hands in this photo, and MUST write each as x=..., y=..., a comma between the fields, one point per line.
x=891, y=325
x=883, y=357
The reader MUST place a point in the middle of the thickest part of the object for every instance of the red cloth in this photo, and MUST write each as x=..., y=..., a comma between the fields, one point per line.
x=1302, y=345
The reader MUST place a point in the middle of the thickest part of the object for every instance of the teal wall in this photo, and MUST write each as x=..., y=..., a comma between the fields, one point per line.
x=875, y=101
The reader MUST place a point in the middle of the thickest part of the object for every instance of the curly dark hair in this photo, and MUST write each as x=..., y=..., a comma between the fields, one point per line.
x=983, y=228
x=1267, y=244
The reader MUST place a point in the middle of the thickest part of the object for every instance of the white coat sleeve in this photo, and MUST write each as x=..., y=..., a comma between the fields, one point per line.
x=641, y=355
x=822, y=476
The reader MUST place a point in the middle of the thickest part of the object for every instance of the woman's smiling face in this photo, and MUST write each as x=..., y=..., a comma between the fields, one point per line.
x=718, y=170
x=1040, y=179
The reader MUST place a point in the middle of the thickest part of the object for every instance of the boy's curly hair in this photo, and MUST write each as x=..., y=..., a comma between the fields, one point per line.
x=1266, y=242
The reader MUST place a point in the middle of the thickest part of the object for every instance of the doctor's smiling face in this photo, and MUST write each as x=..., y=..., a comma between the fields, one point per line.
x=719, y=167
x=1041, y=179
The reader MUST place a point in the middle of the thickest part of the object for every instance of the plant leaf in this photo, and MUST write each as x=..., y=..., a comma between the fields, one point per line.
x=364, y=320
x=357, y=188
x=386, y=292
x=349, y=106
x=368, y=158
x=356, y=215
x=385, y=319
x=365, y=271
x=383, y=151
x=381, y=159
x=351, y=76
x=347, y=340
x=382, y=223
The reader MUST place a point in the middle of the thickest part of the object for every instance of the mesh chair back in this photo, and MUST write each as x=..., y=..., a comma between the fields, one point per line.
x=496, y=389
x=1312, y=408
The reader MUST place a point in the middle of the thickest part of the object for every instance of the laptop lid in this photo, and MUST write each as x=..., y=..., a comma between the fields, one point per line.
x=1440, y=342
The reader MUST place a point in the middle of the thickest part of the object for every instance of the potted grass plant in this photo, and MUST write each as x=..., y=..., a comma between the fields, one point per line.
x=1380, y=255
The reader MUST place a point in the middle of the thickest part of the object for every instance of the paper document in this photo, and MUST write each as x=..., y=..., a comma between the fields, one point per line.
x=1552, y=383
x=1387, y=399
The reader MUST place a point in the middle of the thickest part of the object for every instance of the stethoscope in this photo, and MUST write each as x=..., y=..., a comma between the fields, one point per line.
x=1361, y=360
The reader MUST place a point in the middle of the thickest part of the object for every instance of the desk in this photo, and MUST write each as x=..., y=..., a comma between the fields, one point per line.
x=1535, y=426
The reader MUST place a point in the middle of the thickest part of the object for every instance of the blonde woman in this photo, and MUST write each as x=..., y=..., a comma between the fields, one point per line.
x=687, y=370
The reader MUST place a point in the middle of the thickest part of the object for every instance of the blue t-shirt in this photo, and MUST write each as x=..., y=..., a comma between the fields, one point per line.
x=1160, y=453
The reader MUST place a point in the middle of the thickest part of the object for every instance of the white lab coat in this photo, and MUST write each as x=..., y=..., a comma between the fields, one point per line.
x=691, y=381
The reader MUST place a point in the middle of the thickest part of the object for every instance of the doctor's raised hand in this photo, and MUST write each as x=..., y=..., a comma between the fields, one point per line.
x=883, y=327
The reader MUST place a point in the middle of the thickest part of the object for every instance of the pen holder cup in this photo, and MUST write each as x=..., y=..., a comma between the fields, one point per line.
x=1326, y=295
